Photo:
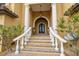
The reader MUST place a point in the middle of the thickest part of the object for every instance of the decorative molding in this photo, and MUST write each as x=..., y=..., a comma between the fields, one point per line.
x=5, y=10
x=36, y=18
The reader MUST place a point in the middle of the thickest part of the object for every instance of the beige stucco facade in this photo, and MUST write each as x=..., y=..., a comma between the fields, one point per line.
x=16, y=8
x=19, y=9
x=35, y=17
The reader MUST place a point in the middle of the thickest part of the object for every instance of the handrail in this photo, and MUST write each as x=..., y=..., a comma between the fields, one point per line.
x=18, y=38
x=57, y=36
x=54, y=39
x=24, y=38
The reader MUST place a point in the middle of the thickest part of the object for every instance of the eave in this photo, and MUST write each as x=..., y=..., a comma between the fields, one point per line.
x=73, y=9
x=5, y=10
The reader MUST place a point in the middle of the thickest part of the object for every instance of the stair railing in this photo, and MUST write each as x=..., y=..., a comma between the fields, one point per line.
x=54, y=39
x=22, y=40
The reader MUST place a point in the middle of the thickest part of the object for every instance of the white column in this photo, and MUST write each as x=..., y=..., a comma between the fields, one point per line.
x=54, y=16
x=54, y=23
x=27, y=17
x=26, y=21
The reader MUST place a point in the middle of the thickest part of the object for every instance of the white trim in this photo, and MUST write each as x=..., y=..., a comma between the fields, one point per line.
x=38, y=18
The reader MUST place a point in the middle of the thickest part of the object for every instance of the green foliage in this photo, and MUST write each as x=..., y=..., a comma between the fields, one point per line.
x=71, y=25
x=61, y=24
x=75, y=24
x=75, y=19
x=10, y=32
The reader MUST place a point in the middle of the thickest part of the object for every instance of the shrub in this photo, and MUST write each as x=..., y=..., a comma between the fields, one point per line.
x=7, y=33
x=10, y=32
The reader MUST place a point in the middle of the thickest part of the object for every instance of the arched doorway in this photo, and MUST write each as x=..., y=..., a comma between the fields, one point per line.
x=41, y=26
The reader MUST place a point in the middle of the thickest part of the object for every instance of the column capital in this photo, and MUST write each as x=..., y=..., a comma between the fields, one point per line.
x=26, y=5
x=53, y=4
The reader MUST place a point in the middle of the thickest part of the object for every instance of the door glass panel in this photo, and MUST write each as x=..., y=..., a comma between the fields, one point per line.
x=41, y=28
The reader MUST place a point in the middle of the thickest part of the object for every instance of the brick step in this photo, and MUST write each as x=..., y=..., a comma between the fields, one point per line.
x=40, y=36
x=40, y=49
x=41, y=53
x=32, y=53
x=40, y=43
x=39, y=40
x=36, y=47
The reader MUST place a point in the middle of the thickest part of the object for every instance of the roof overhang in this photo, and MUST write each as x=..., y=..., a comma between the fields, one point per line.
x=5, y=10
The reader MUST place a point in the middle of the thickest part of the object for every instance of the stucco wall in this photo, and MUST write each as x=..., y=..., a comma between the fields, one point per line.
x=59, y=10
x=1, y=19
x=9, y=21
x=62, y=7
x=20, y=12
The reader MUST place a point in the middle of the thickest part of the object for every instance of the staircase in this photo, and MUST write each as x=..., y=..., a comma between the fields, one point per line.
x=38, y=45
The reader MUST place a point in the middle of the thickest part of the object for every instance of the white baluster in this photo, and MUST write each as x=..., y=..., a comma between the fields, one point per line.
x=62, y=49
x=56, y=44
x=22, y=43
x=50, y=35
x=17, y=47
x=25, y=42
x=52, y=41
x=28, y=34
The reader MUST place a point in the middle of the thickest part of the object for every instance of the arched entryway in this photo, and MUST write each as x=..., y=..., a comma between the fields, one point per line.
x=41, y=26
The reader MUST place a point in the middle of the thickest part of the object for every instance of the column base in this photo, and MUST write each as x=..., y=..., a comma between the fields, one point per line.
x=56, y=49
x=62, y=54
x=25, y=43
x=22, y=47
x=16, y=52
x=53, y=44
